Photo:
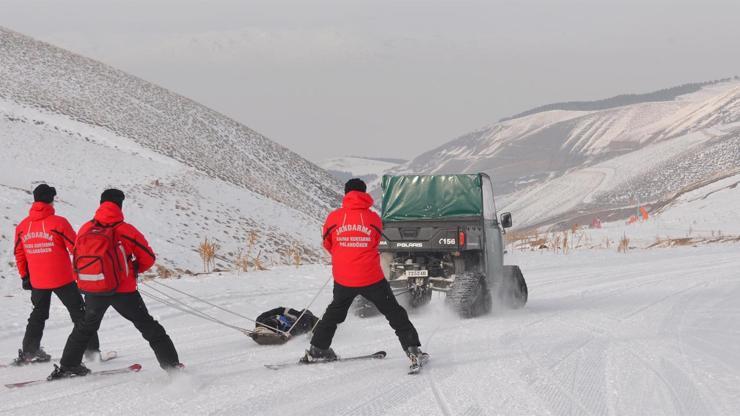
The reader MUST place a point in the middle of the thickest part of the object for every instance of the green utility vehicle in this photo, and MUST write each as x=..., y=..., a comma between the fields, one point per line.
x=442, y=233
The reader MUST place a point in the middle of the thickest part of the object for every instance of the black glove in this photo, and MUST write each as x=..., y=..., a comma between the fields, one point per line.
x=26, y=283
x=135, y=265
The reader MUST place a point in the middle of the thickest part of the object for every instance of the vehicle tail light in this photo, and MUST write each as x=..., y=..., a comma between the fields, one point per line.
x=461, y=238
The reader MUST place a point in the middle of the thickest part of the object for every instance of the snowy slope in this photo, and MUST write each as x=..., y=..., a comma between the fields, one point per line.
x=707, y=208
x=368, y=169
x=654, y=333
x=554, y=166
x=188, y=172
x=174, y=204
x=706, y=214
x=39, y=75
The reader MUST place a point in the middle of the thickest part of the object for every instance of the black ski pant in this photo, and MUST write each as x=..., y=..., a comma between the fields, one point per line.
x=131, y=306
x=41, y=300
x=381, y=295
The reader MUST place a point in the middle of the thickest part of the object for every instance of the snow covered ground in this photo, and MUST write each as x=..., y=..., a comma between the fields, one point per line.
x=653, y=332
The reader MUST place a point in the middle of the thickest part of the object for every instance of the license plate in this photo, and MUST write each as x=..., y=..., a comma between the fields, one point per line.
x=417, y=273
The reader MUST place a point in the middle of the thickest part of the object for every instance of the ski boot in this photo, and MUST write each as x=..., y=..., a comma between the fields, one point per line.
x=66, y=372
x=418, y=359
x=40, y=356
x=174, y=368
x=93, y=355
x=315, y=354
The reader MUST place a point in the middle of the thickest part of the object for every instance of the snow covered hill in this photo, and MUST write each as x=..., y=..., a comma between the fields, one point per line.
x=368, y=169
x=174, y=204
x=39, y=75
x=702, y=215
x=560, y=164
x=189, y=172
x=653, y=332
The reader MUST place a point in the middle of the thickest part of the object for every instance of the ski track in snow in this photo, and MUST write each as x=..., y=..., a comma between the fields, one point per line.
x=651, y=332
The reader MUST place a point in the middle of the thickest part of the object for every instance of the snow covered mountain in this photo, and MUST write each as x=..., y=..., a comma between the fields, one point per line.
x=565, y=163
x=189, y=172
x=366, y=168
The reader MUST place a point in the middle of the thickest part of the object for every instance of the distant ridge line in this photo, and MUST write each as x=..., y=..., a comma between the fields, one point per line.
x=382, y=159
x=666, y=94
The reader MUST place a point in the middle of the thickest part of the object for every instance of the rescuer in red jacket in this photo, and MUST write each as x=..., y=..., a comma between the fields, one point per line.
x=351, y=234
x=126, y=300
x=43, y=243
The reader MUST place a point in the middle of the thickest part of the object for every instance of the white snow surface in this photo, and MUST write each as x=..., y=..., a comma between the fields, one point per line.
x=653, y=332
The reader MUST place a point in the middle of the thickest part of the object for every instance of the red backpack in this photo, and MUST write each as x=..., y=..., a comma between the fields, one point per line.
x=100, y=262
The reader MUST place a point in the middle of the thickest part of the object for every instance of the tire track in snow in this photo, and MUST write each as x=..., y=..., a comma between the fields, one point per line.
x=692, y=307
x=474, y=411
x=661, y=300
x=399, y=393
x=598, y=297
x=437, y=393
x=333, y=389
x=439, y=397
x=690, y=400
x=549, y=386
x=511, y=337
x=381, y=403
x=545, y=380
x=687, y=401
x=63, y=390
x=410, y=386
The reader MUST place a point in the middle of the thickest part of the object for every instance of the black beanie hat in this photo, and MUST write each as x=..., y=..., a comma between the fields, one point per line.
x=113, y=195
x=44, y=193
x=355, y=184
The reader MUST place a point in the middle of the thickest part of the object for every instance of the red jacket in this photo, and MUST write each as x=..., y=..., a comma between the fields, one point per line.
x=43, y=242
x=351, y=235
x=133, y=241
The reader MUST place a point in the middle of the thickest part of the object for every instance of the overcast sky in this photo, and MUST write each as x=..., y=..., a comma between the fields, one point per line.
x=391, y=78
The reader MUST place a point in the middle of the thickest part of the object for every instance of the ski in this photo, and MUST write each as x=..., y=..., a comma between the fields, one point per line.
x=377, y=355
x=134, y=368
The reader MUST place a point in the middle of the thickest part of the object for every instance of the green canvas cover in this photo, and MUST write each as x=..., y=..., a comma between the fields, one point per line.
x=426, y=197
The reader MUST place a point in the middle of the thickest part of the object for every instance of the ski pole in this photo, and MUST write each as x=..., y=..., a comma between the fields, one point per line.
x=309, y=304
